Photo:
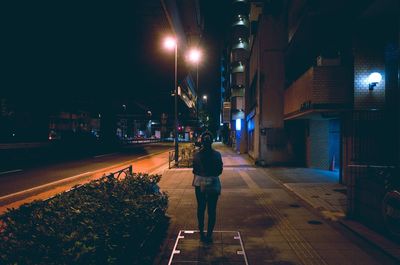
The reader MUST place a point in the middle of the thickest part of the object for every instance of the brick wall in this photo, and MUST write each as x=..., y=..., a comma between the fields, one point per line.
x=318, y=144
x=367, y=61
x=332, y=84
x=299, y=92
x=320, y=85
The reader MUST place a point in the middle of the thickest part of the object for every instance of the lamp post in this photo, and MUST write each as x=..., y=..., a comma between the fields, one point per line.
x=171, y=43
x=195, y=57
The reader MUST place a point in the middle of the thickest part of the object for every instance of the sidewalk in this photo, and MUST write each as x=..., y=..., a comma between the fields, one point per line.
x=275, y=226
x=320, y=190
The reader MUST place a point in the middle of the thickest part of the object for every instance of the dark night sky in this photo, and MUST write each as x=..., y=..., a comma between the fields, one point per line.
x=54, y=51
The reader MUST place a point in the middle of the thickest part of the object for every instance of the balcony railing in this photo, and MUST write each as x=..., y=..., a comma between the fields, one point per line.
x=241, y=44
x=237, y=92
x=239, y=55
x=237, y=103
x=240, y=7
x=241, y=21
x=238, y=79
x=237, y=68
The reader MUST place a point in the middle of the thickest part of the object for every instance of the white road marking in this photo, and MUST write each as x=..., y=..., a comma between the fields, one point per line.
x=61, y=181
x=105, y=155
x=10, y=171
x=44, y=186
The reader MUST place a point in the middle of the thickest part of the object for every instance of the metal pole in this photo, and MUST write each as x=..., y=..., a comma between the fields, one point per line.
x=176, y=105
x=198, y=91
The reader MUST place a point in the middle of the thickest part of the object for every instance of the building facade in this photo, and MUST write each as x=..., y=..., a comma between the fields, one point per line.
x=317, y=86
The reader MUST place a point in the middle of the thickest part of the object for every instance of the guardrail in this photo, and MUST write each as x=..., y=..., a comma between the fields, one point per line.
x=23, y=145
x=118, y=174
x=141, y=141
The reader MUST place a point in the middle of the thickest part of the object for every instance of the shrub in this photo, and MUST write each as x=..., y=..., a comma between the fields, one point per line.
x=106, y=221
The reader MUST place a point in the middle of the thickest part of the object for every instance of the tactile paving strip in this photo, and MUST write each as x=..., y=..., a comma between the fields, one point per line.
x=227, y=248
x=306, y=253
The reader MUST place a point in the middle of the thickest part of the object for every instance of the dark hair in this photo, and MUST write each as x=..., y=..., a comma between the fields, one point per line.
x=206, y=139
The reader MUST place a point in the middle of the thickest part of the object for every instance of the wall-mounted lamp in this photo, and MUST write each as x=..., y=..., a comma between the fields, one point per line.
x=238, y=124
x=374, y=79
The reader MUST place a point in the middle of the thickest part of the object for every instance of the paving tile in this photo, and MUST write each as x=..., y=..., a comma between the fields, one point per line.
x=273, y=232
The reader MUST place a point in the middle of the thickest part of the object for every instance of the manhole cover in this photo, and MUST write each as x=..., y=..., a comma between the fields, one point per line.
x=294, y=205
x=344, y=191
x=314, y=222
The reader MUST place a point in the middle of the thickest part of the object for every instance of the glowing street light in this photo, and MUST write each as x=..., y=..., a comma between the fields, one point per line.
x=195, y=56
x=171, y=43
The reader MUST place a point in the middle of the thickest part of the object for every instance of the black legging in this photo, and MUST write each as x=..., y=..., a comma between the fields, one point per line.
x=209, y=200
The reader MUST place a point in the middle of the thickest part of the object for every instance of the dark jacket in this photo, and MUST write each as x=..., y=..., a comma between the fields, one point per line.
x=207, y=163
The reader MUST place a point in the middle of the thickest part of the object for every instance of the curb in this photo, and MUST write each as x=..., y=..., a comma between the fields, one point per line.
x=379, y=241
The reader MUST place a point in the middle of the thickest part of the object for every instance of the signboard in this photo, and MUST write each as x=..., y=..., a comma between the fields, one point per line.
x=226, y=113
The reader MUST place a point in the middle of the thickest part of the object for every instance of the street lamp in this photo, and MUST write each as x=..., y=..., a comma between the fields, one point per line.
x=195, y=57
x=171, y=43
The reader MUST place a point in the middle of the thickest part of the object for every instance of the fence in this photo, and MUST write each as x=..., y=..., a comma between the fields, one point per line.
x=141, y=141
x=118, y=174
x=373, y=196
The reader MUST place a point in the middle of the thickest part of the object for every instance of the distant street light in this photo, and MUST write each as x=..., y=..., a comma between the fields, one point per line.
x=195, y=55
x=171, y=43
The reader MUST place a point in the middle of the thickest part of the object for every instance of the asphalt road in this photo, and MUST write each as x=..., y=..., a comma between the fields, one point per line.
x=17, y=179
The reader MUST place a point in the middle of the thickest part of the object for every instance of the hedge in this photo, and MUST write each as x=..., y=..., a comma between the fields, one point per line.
x=107, y=221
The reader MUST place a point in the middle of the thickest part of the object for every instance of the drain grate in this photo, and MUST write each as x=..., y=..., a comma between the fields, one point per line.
x=343, y=191
x=294, y=205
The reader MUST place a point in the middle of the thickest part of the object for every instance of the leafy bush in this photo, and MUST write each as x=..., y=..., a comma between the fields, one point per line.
x=106, y=221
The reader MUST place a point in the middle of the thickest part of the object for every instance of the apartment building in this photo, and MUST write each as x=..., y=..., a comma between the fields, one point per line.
x=316, y=84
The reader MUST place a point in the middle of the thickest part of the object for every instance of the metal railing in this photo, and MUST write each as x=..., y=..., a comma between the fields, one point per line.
x=118, y=174
x=141, y=141
x=127, y=171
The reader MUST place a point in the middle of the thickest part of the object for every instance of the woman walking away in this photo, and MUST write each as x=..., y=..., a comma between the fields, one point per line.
x=207, y=166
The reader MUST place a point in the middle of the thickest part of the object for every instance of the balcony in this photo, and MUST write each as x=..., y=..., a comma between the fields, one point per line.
x=238, y=55
x=240, y=7
x=320, y=90
x=241, y=21
x=237, y=68
x=240, y=27
x=241, y=44
x=238, y=79
x=237, y=92
x=237, y=104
